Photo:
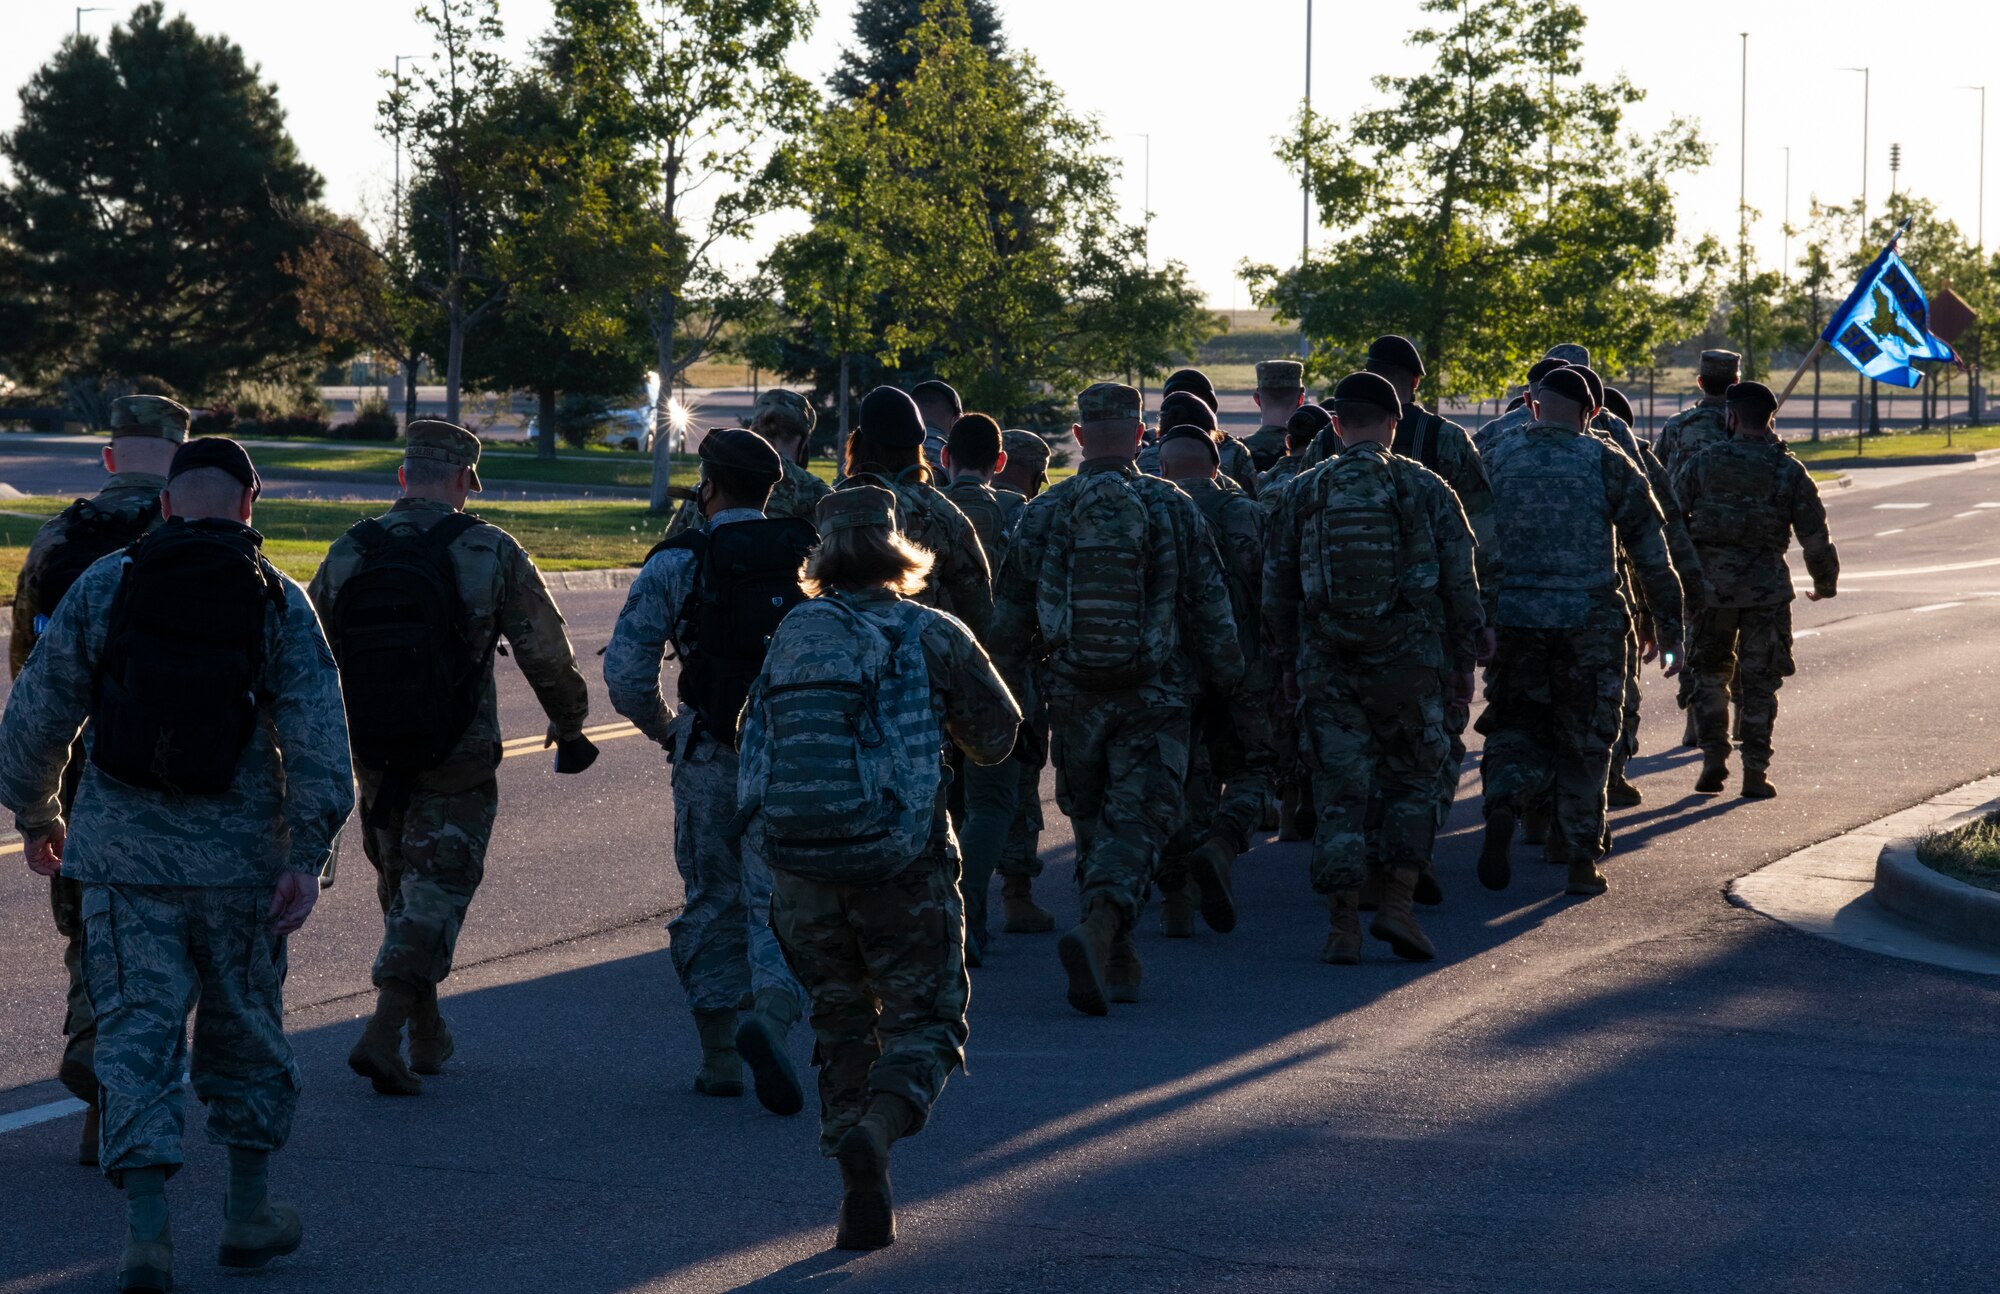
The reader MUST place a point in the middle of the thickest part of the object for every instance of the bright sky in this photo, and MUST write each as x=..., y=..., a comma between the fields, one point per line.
x=1211, y=84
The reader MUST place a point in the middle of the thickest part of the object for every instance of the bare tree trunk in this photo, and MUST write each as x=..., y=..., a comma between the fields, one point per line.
x=454, y=363
x=840, y=450
x=545, y=415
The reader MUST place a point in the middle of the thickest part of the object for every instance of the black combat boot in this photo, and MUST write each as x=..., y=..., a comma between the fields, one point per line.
x=431, y=1044
x=867, y=1212
x=760, y=1040
x=1496, y=865
x=1714, y=775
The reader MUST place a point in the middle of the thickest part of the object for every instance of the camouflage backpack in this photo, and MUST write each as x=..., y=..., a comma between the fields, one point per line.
x=1354, y=549
x=1742, y=502
x=1106, y=604
x=840, y=744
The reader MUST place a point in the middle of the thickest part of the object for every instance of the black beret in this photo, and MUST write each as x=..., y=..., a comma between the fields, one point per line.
x=1754, y=394
x=1570, y=384
x=1395, y=352
x=1595, y=383
x=1307, y=419
x=219, y=452
x=741, y=451
x=889, y=417
x=1615, y=401
x=1187, y=431
x=1543, y=367
x=1186, y=407
x=1192, y=380
x=1369, y=388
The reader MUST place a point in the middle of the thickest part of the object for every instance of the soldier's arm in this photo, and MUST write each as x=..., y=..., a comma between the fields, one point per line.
x=311, y=725
x=1466, y=475
x=535, y=629
x=970, y=577
x=25, y=612
x=50, y=701
x=639, y=644
x=1205, y=615
x=1815, y=540
x=1687, y=562
x=1458, y=580
x=980, y=714
x=1012, y=630
x=1642, y=533
x=1282, y=592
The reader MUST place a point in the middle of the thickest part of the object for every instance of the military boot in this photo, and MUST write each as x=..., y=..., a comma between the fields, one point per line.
x=1714, y=775
x=1343, y=939
x=1024, y=916
x=1369, y=896
x=1288, y=815
x=1177, y=910
x=378, y=1055
x=86, y=1141
x=1619, y=792
x=147, y=1266
x=1211, y=867
x=430, y=1035
x=1535, y=826
x=1396, y=924
x=867, y=1213
x=254, y=1230
x=721, y=1072
x=1756, y=786
x=1084, y=950
x=1496, y=863
x=1690, y=732
x=1585, y=880
x=760, y=1040
x=1269, y=820
x=1122, y=971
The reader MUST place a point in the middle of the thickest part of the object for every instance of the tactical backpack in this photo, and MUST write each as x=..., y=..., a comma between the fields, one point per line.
x=1106, y=607
x=90, y=531
x=1742, y=502
x=1422, y=441
x=179, y=685
x=411, y=676
x=746, y=578
x=841, y=745
x=983, y=509
x=1355, y=537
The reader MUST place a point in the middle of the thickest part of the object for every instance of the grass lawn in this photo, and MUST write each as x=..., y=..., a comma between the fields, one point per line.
x=1970, y=853
x=1838, y=451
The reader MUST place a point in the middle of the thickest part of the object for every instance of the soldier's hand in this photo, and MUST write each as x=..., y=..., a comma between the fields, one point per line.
x=1670, y=663
x=1489, y=645
x=44, y=852
x=1647, y=650
x=1816, y=596
x=292, y=901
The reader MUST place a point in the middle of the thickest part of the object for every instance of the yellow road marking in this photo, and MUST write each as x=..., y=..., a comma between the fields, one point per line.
x=533, y=745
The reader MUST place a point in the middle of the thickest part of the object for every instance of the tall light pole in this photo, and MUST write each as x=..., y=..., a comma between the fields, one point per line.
x=1785, y=269
x=1982, y=162
x=1146, y=212
x=81, y=11
x=1305, y=179
x=1743, y=212
x=400, y=60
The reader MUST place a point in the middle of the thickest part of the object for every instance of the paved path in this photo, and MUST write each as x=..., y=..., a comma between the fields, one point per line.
x=1653, y=1090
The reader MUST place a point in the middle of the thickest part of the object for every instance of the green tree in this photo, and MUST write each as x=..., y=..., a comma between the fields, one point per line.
x=356, y=295
x=143, y=231
x=883, y=56
x=1494, y=204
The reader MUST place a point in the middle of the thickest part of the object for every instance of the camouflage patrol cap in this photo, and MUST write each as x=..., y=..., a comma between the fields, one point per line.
x=1570, y=352
x=1395, y=352
x=1109, y=402
x=855, y=507
x=1187, y=431
x=1025, y=448
x=148, y=415
x=1280, y=375
x=437, y=441
x=788, y=407
x=741, y=451
x=1720, y=363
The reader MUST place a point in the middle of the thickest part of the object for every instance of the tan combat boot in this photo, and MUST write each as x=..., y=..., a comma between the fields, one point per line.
x=1756, y=786
x=760, y=1041
x=1269, y=820
x=1212, y=866
x=1585, y=880
x=1084, y=950
x=1619, y=792
x=867, y=1213
x=721, y=1072
x=378, y=1055
x=1370, y=894
x=1122, y=971
x=1714, y=775
x=147, y=1266
x=1177, y=910
x=254, y=1230
x=1024, y=916
x=1343, y=940
x=1396, y=924
x=430, y=1036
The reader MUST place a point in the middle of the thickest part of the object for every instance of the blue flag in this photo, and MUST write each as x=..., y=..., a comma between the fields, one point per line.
x=1884, y=325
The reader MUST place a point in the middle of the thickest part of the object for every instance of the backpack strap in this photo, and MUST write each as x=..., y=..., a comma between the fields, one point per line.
x=1427, y=440
x=370, y=536
x=446, y=532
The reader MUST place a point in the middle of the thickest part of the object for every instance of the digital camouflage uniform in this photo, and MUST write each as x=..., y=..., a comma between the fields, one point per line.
x=961, y=579
x=177, y=888
x=1373, y=713
x=797, y=494
x=1744, y=499
x=127, y=494
x=884, y=964
x=1565, y=504
x=1237, y=468
x=431, y=854
x=1121, y=756
x=1231, y=757
x=721, y=941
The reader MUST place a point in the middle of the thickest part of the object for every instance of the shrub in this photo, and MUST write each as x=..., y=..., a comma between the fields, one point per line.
x=581, y=418
x=218, y=420
x=372, y=421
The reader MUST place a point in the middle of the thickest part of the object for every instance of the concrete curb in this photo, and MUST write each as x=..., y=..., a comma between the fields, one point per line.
x=614, y=577
x=1907, y=887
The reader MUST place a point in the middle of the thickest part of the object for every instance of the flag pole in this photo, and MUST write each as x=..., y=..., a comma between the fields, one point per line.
x=1819, y=345
x=1818, y=349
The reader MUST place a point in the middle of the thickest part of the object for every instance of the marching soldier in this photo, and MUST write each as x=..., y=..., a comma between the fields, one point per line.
x=785, y=419
x=1025, y=475
x=1280, y=393
x=1237, y=464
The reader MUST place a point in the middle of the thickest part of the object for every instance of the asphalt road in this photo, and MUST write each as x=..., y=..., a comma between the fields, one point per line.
x=1652, y=1090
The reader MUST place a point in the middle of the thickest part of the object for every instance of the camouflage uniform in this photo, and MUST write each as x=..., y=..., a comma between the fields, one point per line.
x=1266, y=446
x=430, y=855
x=961, y=581
x=1565, y=503
x=1744, y=499
x=1121, y=756
x=1689, y=432
x=884, y=965
x=177, y=888
x=721, y=941
x=127, y=494
x=1238, y=469
x=1517, y=418
x=1374, y=716
x=795, y=495
x=1021, y=853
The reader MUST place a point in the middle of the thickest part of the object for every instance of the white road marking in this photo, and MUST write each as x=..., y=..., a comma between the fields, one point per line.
x=1806, y=633
x=35, y=1114
x=1900, y=507
x=1986, y=505
x=1897, y=531
x=1973, y=513
x=1921, y=570
x=1935, y=606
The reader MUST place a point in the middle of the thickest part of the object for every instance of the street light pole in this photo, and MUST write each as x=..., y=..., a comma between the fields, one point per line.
x=1982, y=162
x=1743, y=213
x=1861, y=415
x=81, y=11
x=1785, y=268
x=1146, y=215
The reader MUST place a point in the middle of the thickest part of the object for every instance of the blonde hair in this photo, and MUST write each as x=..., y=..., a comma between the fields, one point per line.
x=866, y=557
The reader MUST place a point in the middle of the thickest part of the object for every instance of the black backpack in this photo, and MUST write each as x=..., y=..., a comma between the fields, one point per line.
x=92, y=531
x=746, y=578
x=1422, y=441
x=411, y=676
x=179, y=685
